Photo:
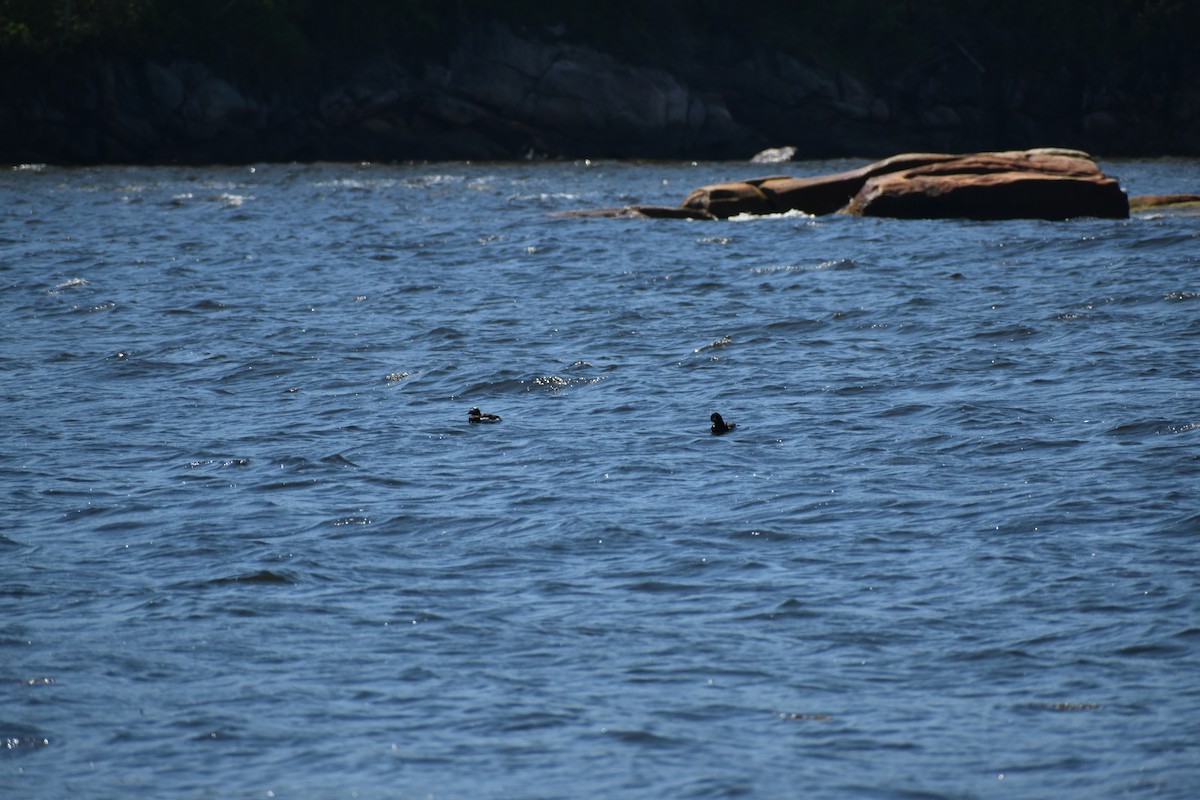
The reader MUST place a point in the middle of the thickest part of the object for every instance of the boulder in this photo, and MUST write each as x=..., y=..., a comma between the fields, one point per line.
x=1027, y=184
x=724, y=200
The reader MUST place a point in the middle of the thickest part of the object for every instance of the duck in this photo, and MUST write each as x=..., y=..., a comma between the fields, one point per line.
x=475, y=415
x=719, y=425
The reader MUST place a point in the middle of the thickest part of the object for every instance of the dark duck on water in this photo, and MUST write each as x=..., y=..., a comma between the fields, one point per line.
x=719, y=425
x=475, y=415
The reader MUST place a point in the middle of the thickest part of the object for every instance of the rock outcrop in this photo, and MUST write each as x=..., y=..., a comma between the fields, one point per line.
x=1045, y=183
x=823, y=194
x=1033, y=184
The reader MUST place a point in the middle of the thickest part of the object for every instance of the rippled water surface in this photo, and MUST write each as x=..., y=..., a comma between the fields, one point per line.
x=250, y=546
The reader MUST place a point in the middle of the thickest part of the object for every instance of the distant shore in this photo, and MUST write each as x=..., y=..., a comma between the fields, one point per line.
x=679, y=85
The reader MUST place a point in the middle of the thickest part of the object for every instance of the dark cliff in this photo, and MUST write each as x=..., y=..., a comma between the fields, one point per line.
x=249, y=80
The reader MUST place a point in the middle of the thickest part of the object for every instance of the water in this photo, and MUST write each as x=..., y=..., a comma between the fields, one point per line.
x=251, y=547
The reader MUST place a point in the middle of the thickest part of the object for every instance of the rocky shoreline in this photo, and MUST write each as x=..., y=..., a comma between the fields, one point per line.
x=508, y=93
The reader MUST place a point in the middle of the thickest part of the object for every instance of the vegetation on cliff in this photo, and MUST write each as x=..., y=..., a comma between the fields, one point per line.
x=273, y=40
x=269, y=38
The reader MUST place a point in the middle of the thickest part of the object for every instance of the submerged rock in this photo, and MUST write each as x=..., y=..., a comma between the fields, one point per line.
x=1168, y=202
x=636, y=211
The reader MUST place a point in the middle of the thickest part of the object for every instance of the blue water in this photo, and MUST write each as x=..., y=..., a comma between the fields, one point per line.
x=251, y=547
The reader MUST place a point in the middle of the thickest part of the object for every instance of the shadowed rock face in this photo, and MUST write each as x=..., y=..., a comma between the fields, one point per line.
x=492, y=89
x=998, y=195
x=1030, y=184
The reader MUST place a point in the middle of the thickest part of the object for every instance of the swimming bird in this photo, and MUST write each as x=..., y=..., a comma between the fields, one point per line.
x=475, y=415
x=720, y=426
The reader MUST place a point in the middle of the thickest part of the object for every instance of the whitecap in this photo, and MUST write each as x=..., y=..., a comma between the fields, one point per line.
x=836, y=263
x=793, y=214
x=70, y=283
x=556, y=383
x=233, y=200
